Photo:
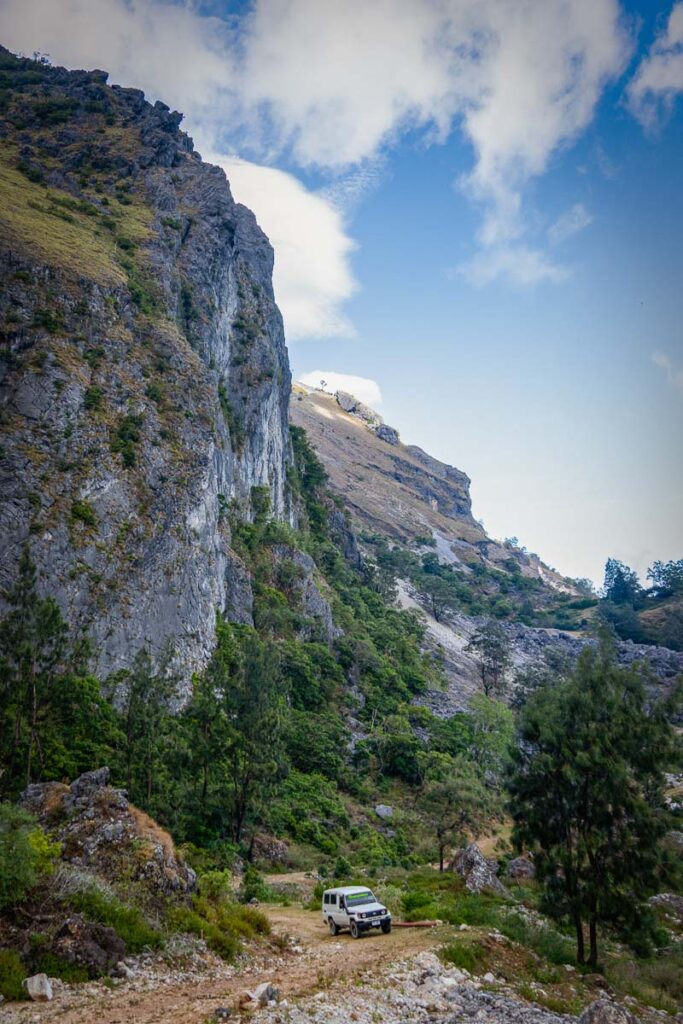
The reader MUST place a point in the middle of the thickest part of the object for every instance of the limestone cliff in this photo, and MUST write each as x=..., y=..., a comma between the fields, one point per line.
x=144, y=382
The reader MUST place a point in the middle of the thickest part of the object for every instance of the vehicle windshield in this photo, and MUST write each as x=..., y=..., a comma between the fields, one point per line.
x=358, y=899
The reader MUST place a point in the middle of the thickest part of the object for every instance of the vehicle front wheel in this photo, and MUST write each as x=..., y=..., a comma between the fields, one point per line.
x=355, y=930
x=386, y=927
x=334, y=928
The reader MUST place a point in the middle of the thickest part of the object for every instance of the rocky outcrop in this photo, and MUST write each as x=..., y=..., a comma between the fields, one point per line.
x=349, y=403
x=478, y=872
x=94, y=947
x=602, y=1011
x=298, y=573
x=101, y=832
x=520, y=868
x=146, y=383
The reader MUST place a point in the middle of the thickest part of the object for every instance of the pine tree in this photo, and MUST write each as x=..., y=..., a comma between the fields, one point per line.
x=491, y=644
x=587, y=794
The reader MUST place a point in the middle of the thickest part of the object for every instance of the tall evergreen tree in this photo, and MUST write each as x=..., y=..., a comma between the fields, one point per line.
x=491, y=644
x=587, y=794
x=54, y=723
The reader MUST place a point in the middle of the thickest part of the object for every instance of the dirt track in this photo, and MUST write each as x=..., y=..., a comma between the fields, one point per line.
x=323, y=963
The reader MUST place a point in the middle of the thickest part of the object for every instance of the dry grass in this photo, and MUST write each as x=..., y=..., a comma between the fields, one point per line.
x=148, y=829
x=70, y=245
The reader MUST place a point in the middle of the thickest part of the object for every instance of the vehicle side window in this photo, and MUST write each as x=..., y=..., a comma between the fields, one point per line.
x=333, y=898
x=326, y=898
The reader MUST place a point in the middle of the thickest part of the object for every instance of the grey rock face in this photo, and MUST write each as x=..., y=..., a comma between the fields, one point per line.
x=86, y=944
x=185, y=350
x=521, y=867
x=384, y=811
x=604, y=1012
x=477, y=872
x=388, y=434
x=101, y=832
x=300, y=577
x=349, y=403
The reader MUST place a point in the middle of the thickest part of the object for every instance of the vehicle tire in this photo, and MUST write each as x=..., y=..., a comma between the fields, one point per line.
x=355, y=930
x=386, y=927
x=334, y=928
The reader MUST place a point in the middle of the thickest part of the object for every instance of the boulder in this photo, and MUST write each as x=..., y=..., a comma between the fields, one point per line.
x=89, y=945
x=602, y=1011
x=477, y=872
x=38, y=987
x=265, y=993
x=520, y=868
x=268, y=848
x=384, y=811
x=388, y=434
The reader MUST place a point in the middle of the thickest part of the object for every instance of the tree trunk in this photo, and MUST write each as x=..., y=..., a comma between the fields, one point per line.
x=580, y=947
x=593, y=933
x=441, y=852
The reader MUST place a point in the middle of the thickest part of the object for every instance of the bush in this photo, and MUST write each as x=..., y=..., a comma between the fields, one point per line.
x=83, y=512
x=467, y=954
x=12, y=973
x=544, y=940
x=93, y=398
x=26, y=854
x=216, y=918
x=127, y=921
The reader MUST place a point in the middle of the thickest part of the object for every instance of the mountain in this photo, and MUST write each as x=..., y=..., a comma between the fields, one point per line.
x=414, y=518
x=145, y=380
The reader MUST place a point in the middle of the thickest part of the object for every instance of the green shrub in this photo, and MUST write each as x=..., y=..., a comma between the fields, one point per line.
x=93, y=398
x=467, y=954
x=544, y=940
x=127, y=921
x=126, y=437
x=219, y=920
x=83, y=512
x=12, y=973
x=26, y=854
x=57, y=967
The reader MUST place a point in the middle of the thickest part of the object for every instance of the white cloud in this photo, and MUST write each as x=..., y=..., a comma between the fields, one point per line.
x=333, y=85
x=312, y=277
x=674, y=374
x=519, y=264
x=363, y=388
x=573, y=220
x=659, y=78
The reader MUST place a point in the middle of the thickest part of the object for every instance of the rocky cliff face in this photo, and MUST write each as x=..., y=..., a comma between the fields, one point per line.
x=398, y=490
x=145, y=381
x=415, y=503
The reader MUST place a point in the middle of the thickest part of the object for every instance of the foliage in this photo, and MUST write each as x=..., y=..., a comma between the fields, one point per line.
x=666, y=577
x=126, y=920
x=587, y=794
x=125, y=438
x=26, y=854
x=51, y=711
x=467, y=954
x=12, y=973
x=492, y=646
x=456, y=802
x=217, y=918
x=621, y=585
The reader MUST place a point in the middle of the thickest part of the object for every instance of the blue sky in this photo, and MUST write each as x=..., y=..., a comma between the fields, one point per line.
x=475, y=206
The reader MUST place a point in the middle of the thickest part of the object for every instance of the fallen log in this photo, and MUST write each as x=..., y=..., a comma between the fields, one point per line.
x=415, y=924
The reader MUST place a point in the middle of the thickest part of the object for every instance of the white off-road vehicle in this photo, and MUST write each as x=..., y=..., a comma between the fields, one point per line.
x=356, y=908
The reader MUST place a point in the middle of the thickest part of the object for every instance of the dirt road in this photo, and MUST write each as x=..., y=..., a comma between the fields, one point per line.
x=322, y=962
